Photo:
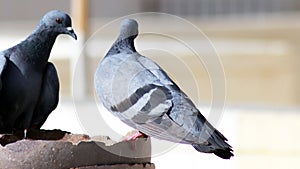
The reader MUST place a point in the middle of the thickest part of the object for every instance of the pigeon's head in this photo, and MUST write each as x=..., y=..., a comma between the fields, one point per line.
x=128, y=28
x=59, y=22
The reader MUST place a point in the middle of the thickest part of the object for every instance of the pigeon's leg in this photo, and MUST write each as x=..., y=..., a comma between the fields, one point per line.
x=134, y=135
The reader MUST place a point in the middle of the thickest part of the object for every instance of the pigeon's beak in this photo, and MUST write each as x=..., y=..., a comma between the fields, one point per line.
x=70, y=31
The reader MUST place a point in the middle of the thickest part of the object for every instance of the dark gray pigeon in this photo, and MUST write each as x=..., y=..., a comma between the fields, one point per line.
x=141, y=94
x=29, y=85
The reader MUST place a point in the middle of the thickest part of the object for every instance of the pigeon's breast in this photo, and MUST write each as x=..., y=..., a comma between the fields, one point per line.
x=117, y=77
x=106, y=78
x=18, y=91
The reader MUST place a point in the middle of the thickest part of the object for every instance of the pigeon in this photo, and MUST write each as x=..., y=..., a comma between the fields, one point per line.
x=139, y=92
x=29, y=84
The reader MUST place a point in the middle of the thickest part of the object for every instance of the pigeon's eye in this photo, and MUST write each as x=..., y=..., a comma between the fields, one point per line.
x=58, y=20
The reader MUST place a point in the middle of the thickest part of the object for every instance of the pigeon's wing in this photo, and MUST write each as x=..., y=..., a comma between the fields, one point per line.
x=157, y=71
x=3, y=62
x=183, y=118
x=183, y=122
x=141, y=97
x=48, y=98
x=180, y=118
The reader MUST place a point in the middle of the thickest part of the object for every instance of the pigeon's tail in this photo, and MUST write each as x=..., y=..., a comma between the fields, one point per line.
x=217, y=145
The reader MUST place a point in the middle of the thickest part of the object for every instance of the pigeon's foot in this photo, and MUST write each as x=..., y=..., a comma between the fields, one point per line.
x=20, y=133
x=25, y=134
x=132, y=136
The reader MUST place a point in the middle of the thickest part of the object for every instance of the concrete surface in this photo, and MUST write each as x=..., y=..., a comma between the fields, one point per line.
x=73, y=151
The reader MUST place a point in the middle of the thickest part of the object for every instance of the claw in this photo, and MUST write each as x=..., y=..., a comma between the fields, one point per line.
x=25, y=133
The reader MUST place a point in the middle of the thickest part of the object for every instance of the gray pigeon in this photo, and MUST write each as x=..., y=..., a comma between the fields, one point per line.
x=142, y=95
x=29, y=85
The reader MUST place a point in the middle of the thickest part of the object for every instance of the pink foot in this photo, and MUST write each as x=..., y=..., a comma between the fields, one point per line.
x=132, y=136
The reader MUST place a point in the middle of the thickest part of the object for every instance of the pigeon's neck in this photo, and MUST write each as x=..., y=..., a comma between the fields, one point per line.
x=38, y=45
x=123, y=45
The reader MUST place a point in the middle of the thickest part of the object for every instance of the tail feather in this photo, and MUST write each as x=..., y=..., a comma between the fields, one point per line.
x=225, y=153
x=216, y=144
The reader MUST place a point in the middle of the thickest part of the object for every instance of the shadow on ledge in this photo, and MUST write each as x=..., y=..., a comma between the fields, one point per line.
x=33, y=135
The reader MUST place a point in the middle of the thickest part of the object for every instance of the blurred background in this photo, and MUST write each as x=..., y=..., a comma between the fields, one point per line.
x=257, y=42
